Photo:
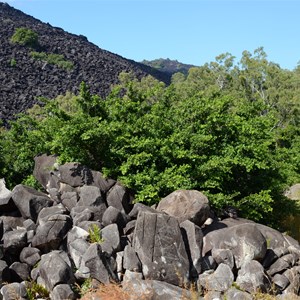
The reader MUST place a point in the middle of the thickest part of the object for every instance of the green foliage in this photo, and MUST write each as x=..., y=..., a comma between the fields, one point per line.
x=18, y=165
x=231, y=131
x=32, y=182
x=35, y=290
x=53, y=59
x=85, y=287
x=26, y=37
x=95, y=234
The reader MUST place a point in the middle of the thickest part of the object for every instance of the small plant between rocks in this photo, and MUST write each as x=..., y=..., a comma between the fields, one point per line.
x=95, y=234
x=85, y=287
x=35, y=290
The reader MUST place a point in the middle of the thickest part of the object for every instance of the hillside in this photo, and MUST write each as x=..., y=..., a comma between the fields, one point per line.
x=24, y=78
x=168, y=66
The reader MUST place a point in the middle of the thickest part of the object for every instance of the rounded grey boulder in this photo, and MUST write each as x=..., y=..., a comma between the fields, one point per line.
x=186, y=205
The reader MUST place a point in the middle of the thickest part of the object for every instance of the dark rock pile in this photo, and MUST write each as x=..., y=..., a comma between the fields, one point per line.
x=162, y=251
x=23, y=79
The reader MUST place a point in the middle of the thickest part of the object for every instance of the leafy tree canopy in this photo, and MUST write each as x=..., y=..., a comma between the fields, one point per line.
x=229, y=130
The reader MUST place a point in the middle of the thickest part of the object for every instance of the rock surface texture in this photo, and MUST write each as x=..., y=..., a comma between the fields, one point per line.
x=91, y=230
x=23, y=78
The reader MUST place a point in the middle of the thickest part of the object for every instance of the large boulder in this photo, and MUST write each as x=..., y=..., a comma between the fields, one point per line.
x=76, y=233
x=104, y=184
x=8, y=223
x=82, y=213
x=29, y=201
x=245, y=242
x=193, y=239
x=54, y=270
x=30, y=256
x=76, y=250
x=95, y=260
x=111, y=239
x=131, y=260
x=220, y=280
x=69, y=199
x=90, y=196
x=224, y=256
x=75, y=174
x=113, y=215
x=160, y=248
x=50, y=235
x=62, y=291
x=280, y=281
x=119, y=197
x=14, y=291
x=13, y=242
x=276, y=239
x=47, y=212
x=19, y=271
x=186, y=205
x=252, y=277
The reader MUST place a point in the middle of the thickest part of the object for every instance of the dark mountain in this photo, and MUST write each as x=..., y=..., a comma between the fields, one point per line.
x=168, y=66
x=23, y=78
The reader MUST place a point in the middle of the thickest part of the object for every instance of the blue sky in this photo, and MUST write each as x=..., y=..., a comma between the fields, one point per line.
x=191, y=31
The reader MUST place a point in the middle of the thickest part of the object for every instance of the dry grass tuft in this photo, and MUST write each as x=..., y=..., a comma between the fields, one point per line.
x=107, y=292
x=113, y=291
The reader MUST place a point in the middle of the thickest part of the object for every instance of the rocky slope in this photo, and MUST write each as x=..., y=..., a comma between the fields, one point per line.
x=53, y=239
x=23, y=78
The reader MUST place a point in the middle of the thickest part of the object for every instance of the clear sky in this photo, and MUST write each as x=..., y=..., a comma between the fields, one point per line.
x=191, y=31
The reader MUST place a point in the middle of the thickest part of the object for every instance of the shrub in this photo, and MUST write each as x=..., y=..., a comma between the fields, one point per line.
x=53, y=59
x=26, y=37
x=35, y=290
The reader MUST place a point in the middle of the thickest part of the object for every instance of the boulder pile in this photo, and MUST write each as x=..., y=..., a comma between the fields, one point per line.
x=171, y=251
